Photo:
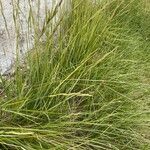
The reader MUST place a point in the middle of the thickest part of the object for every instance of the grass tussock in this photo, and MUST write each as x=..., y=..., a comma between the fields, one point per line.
x=87, y=86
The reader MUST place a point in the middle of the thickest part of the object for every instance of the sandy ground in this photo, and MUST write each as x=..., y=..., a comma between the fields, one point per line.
x=14, y=27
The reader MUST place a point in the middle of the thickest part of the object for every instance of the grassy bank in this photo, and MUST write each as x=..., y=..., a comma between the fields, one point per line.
x=87, y=86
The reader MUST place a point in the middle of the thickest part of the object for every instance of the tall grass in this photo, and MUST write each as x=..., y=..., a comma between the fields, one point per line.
x=86, y=87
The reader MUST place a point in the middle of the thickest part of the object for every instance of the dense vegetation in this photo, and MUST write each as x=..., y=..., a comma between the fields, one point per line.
x=87, y=86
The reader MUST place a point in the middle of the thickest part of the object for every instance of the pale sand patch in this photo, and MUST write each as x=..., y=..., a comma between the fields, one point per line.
x=14, y=27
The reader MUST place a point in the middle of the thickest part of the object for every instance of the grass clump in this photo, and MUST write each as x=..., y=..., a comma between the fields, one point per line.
x=86, y=89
